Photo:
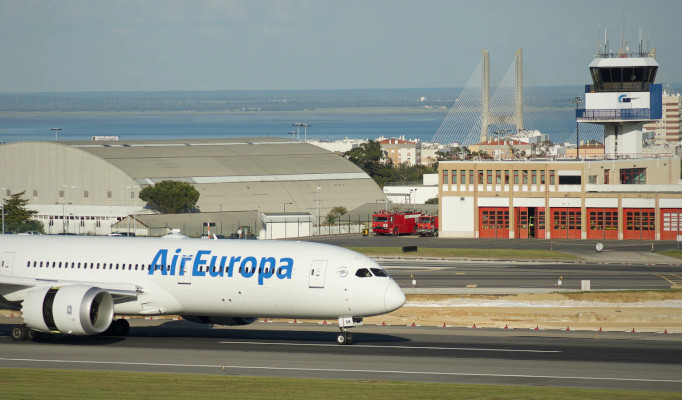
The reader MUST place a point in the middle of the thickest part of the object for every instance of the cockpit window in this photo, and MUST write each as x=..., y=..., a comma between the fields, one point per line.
x=379, y=272
x=363, y=273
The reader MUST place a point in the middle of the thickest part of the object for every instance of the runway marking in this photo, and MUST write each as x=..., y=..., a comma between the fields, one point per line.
x=472, y=286
x=420, y=269
x=336, y=370
x=369, y=346
x=674, y=280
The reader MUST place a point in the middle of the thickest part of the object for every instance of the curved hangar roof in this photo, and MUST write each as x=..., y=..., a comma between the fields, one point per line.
x=264, y=174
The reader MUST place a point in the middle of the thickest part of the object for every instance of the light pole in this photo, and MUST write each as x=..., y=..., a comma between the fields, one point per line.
x=56, y=131
x=298, y=127
x=577, y=101
x=285, y=206
x=2, y=205
x=500, y=132
x=305, y=132
x=64, y=223
x=134, y=209
x=318, y=208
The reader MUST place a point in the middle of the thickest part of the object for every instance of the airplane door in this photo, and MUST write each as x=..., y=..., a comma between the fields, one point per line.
x=317, y=271
x=185, y=273
x=6, y=264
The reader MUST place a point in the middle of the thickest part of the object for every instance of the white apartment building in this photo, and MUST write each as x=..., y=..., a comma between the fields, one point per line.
x=667, y=130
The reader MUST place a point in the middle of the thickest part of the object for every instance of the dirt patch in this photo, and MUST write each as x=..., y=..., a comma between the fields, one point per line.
x=621, y=311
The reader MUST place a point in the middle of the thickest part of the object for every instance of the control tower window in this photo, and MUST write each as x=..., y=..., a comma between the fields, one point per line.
x=610, y=79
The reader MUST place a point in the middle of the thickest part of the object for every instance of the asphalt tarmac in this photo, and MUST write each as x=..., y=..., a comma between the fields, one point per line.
x=476, y=277
x=424, y=354
x=565, y=245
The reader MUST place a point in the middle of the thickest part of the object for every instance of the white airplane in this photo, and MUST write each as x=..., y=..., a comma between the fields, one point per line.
x=75, y=285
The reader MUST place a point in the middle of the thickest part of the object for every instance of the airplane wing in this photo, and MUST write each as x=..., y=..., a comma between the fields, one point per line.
x=119, y=291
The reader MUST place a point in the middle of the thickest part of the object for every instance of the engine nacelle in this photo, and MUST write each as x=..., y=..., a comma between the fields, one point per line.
x=231, y=321
x=72, y=309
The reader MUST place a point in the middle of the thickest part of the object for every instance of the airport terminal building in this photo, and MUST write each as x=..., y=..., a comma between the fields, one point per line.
x=86, y=187
x=598, y=199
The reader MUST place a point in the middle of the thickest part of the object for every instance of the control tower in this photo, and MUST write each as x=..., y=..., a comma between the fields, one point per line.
x=622, y=97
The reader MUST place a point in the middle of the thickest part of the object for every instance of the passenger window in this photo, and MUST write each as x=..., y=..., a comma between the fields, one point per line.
x=379, y=272
x=363, y=273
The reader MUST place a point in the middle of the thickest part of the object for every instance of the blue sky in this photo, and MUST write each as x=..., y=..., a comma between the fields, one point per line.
x=140, y=45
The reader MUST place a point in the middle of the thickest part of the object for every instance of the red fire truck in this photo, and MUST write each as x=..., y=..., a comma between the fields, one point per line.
x=394, y=223
x=427, y=225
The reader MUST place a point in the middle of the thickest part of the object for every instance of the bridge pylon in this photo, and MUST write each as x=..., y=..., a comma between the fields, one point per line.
x=516, y=117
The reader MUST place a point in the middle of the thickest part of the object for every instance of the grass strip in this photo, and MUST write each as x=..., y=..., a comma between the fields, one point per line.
x=18, y=383
x=505, y=254
x=672, y=253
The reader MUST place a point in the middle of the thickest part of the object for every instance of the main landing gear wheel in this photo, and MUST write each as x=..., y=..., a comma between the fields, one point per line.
x=344, y=338
x=39, y=336
x=118, y=327
x=20, y=333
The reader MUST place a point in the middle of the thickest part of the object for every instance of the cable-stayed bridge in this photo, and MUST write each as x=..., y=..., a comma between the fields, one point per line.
x=477, y=114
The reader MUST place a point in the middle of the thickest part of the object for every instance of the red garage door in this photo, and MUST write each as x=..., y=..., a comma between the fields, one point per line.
x=640, y=223
x=671, y=223
x=566, y=223
x=493, y=222
x=530, y=222
x=602, y=223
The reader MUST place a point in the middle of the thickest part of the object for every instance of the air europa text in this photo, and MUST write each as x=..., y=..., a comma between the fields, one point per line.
x=219, y=266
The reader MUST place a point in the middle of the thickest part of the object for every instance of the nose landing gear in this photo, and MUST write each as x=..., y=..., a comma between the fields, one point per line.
x=345, y=337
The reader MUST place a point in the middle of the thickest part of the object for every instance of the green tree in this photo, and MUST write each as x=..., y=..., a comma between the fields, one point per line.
x=405, y=173
x=335, y=213
x=17, y=217
x=433, y=200
x=371, y=158
x=170, y=197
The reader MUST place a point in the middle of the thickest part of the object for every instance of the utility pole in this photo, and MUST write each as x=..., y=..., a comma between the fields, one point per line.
x=577, y=101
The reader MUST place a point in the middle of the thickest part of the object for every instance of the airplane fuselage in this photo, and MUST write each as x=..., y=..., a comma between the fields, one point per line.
x=230, y=278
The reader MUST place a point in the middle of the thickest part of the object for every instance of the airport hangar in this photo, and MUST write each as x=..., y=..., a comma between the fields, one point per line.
x=86, y=187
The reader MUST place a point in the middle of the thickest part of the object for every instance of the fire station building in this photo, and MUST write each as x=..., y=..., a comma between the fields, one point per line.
x=601, y=199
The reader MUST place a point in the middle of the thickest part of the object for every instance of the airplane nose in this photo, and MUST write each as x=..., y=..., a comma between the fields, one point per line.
x=394, y=297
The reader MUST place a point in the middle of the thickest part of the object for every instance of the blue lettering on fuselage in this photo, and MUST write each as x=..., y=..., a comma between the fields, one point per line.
x=248, y=266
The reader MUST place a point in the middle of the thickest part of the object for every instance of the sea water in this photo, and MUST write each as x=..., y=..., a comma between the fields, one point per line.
x=364, y=124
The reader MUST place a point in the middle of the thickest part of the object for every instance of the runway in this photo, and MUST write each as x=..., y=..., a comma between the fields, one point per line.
x=424, y=354
x=457, y=274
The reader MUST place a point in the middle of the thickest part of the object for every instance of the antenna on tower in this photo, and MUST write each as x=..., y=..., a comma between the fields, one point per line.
x=622, y=34
x=648, y=35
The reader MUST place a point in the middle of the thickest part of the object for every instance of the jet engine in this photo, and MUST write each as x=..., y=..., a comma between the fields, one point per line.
x=231, y=321
x=72, y=309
